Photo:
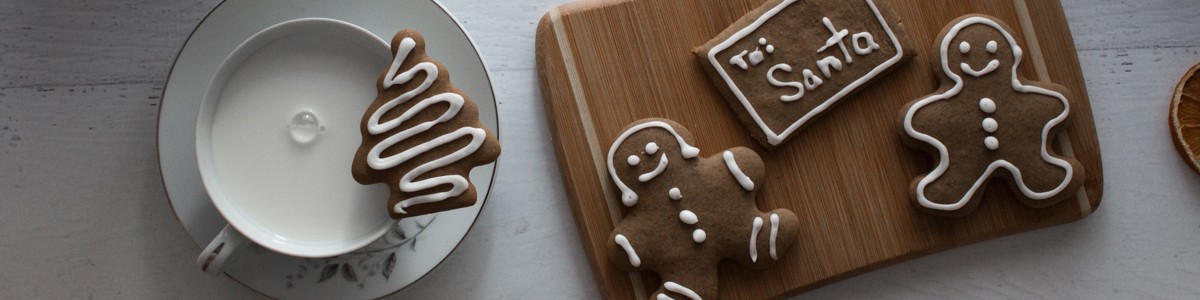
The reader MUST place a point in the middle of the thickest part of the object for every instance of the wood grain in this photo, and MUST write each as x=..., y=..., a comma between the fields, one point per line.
x=103, y=229
x=604, y=64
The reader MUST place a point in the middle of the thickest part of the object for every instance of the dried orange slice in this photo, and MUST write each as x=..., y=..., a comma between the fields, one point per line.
x=1185, y=118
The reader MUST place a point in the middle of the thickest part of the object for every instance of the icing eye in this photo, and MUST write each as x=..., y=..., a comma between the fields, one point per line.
x=634, y=160
x=992, y=47
x=651, y=148
x=964, y=47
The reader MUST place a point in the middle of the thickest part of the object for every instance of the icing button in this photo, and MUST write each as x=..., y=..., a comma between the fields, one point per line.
x=688, y=217
x=987, y=105
x=699, y=236
x=992, y=143
x=990, y=125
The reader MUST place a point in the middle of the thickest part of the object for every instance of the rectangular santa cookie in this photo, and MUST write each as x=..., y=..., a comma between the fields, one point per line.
x=786, y=63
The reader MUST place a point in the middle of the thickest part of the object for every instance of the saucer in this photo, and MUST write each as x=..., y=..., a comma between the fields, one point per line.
x=408, y=250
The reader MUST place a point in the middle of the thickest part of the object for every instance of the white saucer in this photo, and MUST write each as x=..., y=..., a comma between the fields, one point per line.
x=408, y=251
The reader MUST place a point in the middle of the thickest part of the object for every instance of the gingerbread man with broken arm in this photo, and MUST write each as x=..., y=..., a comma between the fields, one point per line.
x=687, y=213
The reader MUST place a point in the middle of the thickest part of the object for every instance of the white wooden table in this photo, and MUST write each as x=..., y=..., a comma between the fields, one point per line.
x=83, y=213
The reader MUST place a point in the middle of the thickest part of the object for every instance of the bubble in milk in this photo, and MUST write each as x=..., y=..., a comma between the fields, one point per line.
x=305, y=127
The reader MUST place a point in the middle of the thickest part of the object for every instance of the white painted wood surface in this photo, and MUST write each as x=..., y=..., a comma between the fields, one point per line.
x=83, y=213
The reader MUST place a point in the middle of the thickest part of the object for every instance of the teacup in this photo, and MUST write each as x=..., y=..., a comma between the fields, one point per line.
x=275, y=137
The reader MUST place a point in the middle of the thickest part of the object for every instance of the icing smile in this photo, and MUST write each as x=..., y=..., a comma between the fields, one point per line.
x=991, y=66
x=662, y=165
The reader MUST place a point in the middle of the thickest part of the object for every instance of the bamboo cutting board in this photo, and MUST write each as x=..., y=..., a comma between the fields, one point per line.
x=606, y=63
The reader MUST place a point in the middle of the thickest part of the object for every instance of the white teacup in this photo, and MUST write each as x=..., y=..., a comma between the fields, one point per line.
x=275, y=137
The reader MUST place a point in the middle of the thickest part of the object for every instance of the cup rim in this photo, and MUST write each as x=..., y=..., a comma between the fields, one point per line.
x=232, y=214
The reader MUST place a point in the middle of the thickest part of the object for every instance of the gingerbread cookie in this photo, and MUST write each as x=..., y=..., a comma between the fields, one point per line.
x=421, y=136
x=987, y=121
x=689, y=213
x=789, y=61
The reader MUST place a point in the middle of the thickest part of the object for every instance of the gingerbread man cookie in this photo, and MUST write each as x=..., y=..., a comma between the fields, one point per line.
x=421, y=135
x=987, y=121
x=689, y=213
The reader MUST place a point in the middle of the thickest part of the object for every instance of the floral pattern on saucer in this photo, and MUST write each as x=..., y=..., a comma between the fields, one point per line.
x=376, y=259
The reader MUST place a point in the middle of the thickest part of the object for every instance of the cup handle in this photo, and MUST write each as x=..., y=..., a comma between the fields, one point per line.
x=222, y=247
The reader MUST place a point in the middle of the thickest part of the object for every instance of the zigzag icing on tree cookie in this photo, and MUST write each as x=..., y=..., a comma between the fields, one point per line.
x=431, y=120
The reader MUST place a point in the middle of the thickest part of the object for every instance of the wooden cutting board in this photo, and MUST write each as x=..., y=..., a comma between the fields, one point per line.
x=606, y=63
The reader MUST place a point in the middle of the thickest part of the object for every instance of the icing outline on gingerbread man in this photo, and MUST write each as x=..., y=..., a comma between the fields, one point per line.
x=943, y=152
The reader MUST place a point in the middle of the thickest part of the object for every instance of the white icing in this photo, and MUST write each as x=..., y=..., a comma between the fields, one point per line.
x=675, y=194
x=408, y=183
x=742, y=179
x=964, y=47
x=776, y=137
x=662, y=166
x=688, y=217
x=651, y=148
x=944, y=153
x=762, y=41
x=634, y=160
x=624, y=243
x=991, y=66
x=829, y=62
x=740, y=60
x=869, y=48
x=990, y=125
x=836, y=39
x=811, y=81
x=755, y=227
x=756, y=57
x=992, y=143
x=992, y=47
x=699, y=236
x=987, y=105
x=775, y=82
x=770, y=48
x=682, y=290
x=662, y=296
x=774, y=234
x=628, y=196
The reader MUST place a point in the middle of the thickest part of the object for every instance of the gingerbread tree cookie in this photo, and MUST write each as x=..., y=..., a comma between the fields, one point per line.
x=988, y=122
x=422, y=136
x=689, y=213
